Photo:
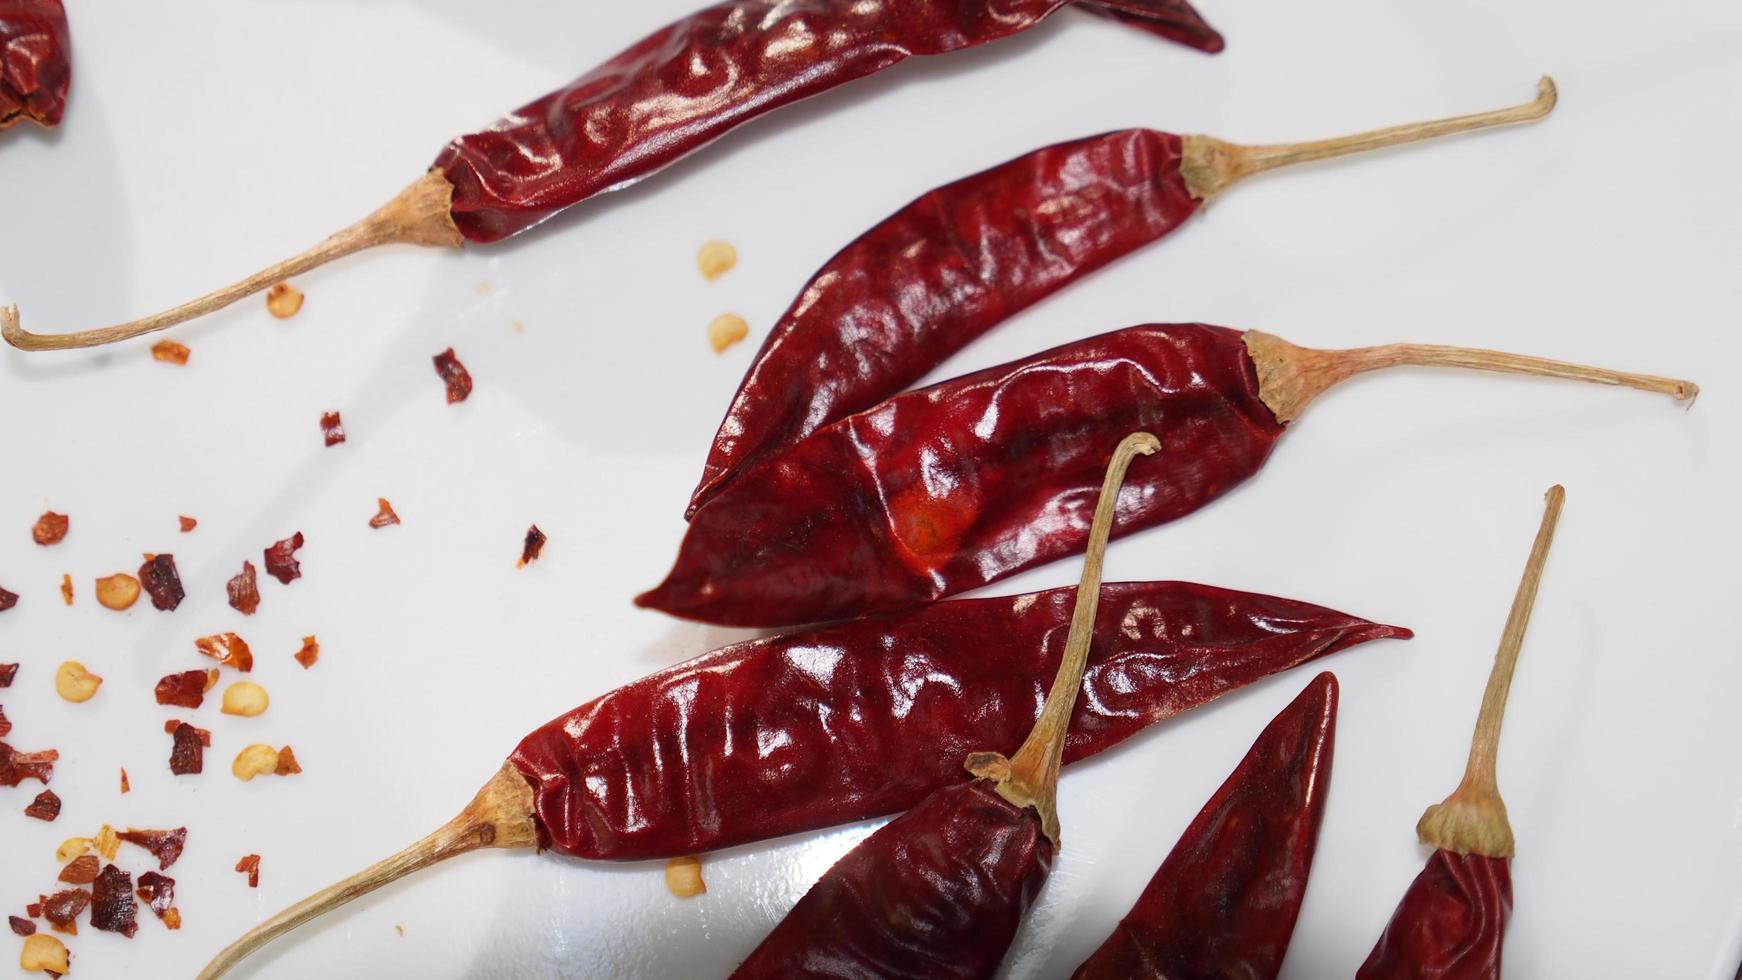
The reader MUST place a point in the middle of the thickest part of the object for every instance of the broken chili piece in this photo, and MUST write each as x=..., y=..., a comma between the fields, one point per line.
x=158, y=892
x=16, y=767
x=162, y=582
x=384, y=515
x=227, y=648
x=533, y=547
x=165, y=845
x=46, y=806
x=281, y=561
x=66, y=588
x=7, y=672
x=187, y=524
x=170, y=352
x=184, y=690
x=332, y=428
x=287, y=764
x=112, y=906
x=187, y=754
x=63, y=907
x=126, y=786
x=244, y=590
x=1452, y=920
x=454, y=375
x=5, y=726
x=50, y=528
x=21, y=926
x=310, y=652
x=81, y=870
x=7, y=600
x=35, y=61
x=250, y=866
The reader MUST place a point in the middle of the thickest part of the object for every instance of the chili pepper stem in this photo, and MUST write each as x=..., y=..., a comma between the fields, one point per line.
x=417, y=215
x=1211, y=165
x=1473, y=819
x=1031, y=777
x=499, y=816
x=1289, y=377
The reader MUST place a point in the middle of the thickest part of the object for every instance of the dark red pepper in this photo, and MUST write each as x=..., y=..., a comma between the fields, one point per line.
x=5, y=726
x=454, y=375
x=7, y=672
x=952, y=487
x=112, y=906
x=244, y=589
x=1224, y=903
x=158, y=891
x=7, y=600
x=16, y=767
x=184, y=690
x=165, y=845
x=35, y=61
x=965, y=257
x=1451, y=923
x=281, y=561
x=46, y=806
x=187, y=753
x=162, y=582
x=666, y=96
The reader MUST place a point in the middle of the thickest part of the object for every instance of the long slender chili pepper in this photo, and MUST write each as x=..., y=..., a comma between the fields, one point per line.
x=1451, y=923
x=669, y=94
x=961, y=259
x=791, y=733
x=940, y=891
x=945, y=489
x=35, y=61
x=1225, y=901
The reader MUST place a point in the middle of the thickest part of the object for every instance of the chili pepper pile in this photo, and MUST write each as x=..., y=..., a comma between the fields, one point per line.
x=35, y=61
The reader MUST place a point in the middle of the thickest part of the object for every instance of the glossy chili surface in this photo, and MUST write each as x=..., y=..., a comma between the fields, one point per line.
x=689, y=83
x=951, y=487
x=938, y=892
x=791, y=733
x=1451, y=923
x=943, y=270
x=35, y=61
x=1224, y=903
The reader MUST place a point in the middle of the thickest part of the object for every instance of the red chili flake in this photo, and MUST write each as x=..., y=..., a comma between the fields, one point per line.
x=7, y=672
x=161, y=581
x=66, y=588
x=333, y=428
x=227, y=648
x=187, y=756
x=250, y=866
x=126, y=787
x=82, y=870
x=112, y=906
x=204, y=736
x=281, y=561
x=34, y=909
x=20, y=926
x=5, y=726
x=62, y=909
x=165, y=845
x=46, y=806
x=384, y=514
x=7, y=600
x=184, y=690
x=158, y=891
x=286, y=763
x=244, y=590
x=458, y=379
x=170, y=352
x=533, y=547
x=50, y=529
x=16, y=767
x=310, y=652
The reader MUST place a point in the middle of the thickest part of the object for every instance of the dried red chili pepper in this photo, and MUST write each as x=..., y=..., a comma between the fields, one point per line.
x=112, y=906
x=81, y=870
x=281, y=561
x=250, y=866
x=332, y=428
x=227, y=648
x=187, y=524
x=7, y=600
x=454, y=375
x=5, y=726
x=1224, y=903
x=941, y=890
x=63, y=907
x=244, y=590
x=16, y=767
x=162, y=582
x=184, y=690
x=675, y=764
x=46, y=806
x=21, y=926
x=669, y=94
x=165, y=845
x=35, y=61
x=158, y=891
x=7, y=672
x=50, y=528
x=1452, y=920
x=309, y=653
x=187, y=755
x=951, y=487
x=384, y=515
x=533, y=546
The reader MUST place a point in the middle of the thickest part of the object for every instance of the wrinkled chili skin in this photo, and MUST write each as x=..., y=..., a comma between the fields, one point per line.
x=692, y=81
x=791, y=733
x=948, y=488
x=959, y=260
x=35, y=61
x=938, y=892
x=1451, y=923
x=1225, y=901
x=1174, y=20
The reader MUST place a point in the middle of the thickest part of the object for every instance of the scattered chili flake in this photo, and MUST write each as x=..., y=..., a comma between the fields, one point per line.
x=34, y=909
x=162, y=582
x=283, y=300
x=187, y=756
x=126, y=787
x=286, y=763
x=5, y=726
x=16, y=767
x=170, y=352
x=184, y=690
x=227, y=648
x=384, y=514
x=281, y=561
x=81, y=871
x=50, y=528
x=165, y=845
x=204, y=736
x=66, y=588
x=310, y=652
x=7, y=600
x=533, y=547
x=244, y=590
x=187, y=523
x=158, y=891
x=46, y=806
x=250, y=866
x=62, y=909
x=458, y=379
x=21, y=926
x=333, y=428
x=112, y=906
x=7, y=672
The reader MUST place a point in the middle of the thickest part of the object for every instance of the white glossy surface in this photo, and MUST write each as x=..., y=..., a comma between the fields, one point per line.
x=206, y=138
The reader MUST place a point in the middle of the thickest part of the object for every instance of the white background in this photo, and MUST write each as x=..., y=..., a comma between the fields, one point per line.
x=207, y=137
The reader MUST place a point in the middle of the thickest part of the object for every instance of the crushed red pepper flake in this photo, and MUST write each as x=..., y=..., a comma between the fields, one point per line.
x=384, y=514
x=21, y=926
x=187, y=523
x=187, y=756
x=533, y=547
x=51, y=528
x=250, y=866
x=333, y=428
x=227, y=648
x=7, y=600
x=112, y=906
x=281, y=561
x=310, y=652
x=158, y=892
x=5, y=726
x=16, y=767
x=34, y=909
x=162, y=582
x=66, y=588
x=170, y=352
x=126, y=787
x=287, y=765
x=165, y=845
x=244, y=590
x=203, y=735
x=7, y=672
x=46, y=806
x=82, y=870
x=184, y=690
x=63, y=907
x=451, y=371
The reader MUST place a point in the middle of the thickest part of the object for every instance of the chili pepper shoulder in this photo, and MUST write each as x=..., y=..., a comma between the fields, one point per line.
x=1451, y=922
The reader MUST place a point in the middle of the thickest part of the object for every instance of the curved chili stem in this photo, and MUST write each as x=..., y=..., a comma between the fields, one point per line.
x=417, y=215
x=1473, y=819
x=1030, y=778
x=499, y=816
x=1289, y=377
x=1210, y=165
